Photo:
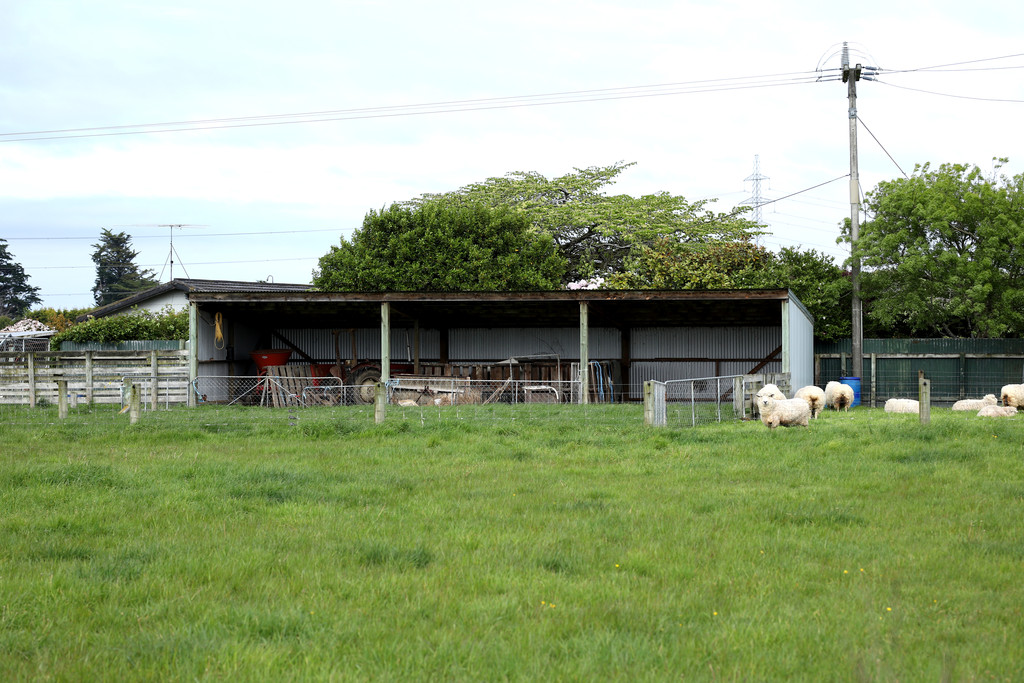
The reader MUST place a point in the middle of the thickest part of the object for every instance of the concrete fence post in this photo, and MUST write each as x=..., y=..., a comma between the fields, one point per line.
x=134, y=404
x=380, y=403
x=924, y=397
x=62, y=398
x=32, y=379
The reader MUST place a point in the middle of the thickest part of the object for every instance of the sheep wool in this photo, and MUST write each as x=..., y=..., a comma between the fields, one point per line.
x=815, y=397
x=975, y=403
x=997, y=411
x=838, y=396
x=767, y=390
x=1012, y=395
x=787, y=412
x=902, y=405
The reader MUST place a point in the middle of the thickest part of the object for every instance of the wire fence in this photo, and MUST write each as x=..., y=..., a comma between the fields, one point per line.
x=703, y=400
x=249, y=403
x=953, y=377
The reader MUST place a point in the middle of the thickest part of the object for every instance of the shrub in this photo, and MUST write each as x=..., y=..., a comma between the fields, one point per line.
x=167, y=324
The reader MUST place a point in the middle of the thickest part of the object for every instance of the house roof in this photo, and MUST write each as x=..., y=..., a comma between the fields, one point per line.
x=190, y=285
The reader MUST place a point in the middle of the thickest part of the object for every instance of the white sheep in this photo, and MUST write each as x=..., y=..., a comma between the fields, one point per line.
x=768, y=390
x=1012, y=395
x=815, y=398
x=975, y=403
x=997, y=411
x=902, y=405
x=838, y=396
x=787, y=412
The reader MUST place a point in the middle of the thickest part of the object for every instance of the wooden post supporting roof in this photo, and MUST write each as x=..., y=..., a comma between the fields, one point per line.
x=193, y=351
x=584, y=353
x=385, y=341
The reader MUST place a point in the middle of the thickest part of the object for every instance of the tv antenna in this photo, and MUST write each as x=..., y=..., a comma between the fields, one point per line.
x=172, y=252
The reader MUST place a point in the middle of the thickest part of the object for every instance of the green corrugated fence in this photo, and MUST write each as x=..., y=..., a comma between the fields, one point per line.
x=957, y=368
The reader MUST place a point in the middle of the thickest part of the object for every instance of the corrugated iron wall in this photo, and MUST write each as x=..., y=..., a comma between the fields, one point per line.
x=957, y=368
x=720, y=343
x=564, y=342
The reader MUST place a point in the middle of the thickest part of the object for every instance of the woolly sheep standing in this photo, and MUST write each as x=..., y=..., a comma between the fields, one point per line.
x=975, y=403
x=902, y=405
x=838, y=396
x=1012, y=395
x=815, y=398
x=787, y=412
x=997, y=411
x=767, y=390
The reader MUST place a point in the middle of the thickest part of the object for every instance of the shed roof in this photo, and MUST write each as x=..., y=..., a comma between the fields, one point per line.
x=189, y=285
x=607, y=308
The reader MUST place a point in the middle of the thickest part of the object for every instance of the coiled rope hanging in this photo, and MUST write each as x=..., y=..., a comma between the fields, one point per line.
x=218, y=331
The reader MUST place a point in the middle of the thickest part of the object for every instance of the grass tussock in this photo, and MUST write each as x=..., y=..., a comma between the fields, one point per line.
x=865, y=547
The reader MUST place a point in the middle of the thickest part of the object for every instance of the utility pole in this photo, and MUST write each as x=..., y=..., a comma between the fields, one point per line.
x=850, y=76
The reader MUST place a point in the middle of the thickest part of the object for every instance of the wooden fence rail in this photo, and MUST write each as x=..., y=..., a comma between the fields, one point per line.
x=27, y=378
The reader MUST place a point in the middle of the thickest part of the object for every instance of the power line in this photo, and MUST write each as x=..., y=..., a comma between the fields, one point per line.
x=944, y=94
x=520, y=101
x=882, y=146
x=155, y=265
x=943, y=66
x=190, y=236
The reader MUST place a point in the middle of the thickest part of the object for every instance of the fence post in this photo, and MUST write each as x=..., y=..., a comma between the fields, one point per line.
x=32, y=379
x=924, y=397
x=874, y=373
x=380, y=403
x=737, y=397
x=62, y=398
x=654, y=404
x=88, y=377
x=153, y=386
x=134, y=404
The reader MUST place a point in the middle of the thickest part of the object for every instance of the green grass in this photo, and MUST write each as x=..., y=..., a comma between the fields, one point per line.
x=867, y=547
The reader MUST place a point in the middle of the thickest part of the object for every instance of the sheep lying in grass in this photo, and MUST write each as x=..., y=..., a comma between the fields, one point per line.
x=815, y=398
x=838, y=396
x=1012, y=395
x=975, y=403
x=997, y=411
x=787, y=412
x=902, y=405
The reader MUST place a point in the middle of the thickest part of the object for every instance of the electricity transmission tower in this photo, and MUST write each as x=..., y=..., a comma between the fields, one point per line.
x=755, y=199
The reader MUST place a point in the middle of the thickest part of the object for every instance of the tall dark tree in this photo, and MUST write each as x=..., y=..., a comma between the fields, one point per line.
x=117, y=275
x=16, y=295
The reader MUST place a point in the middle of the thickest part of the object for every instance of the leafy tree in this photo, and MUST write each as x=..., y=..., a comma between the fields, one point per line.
x=442, y=246
x=594, y=231
x=669, y=264
x=16, y=295
x=821, y=285
x=944, y=253
x=117, y=275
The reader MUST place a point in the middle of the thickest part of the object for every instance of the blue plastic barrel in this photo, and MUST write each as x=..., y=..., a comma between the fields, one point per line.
x=853, y=383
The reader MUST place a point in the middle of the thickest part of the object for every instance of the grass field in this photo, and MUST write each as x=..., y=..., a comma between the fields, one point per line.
x=867, y=547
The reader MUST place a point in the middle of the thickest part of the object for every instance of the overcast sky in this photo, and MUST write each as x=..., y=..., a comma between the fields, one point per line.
x=269, y=200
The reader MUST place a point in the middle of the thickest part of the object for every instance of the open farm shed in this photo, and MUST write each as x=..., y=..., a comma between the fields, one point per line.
x=627, y=337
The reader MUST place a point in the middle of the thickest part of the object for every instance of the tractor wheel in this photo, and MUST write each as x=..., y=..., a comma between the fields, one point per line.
x=364, y=381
